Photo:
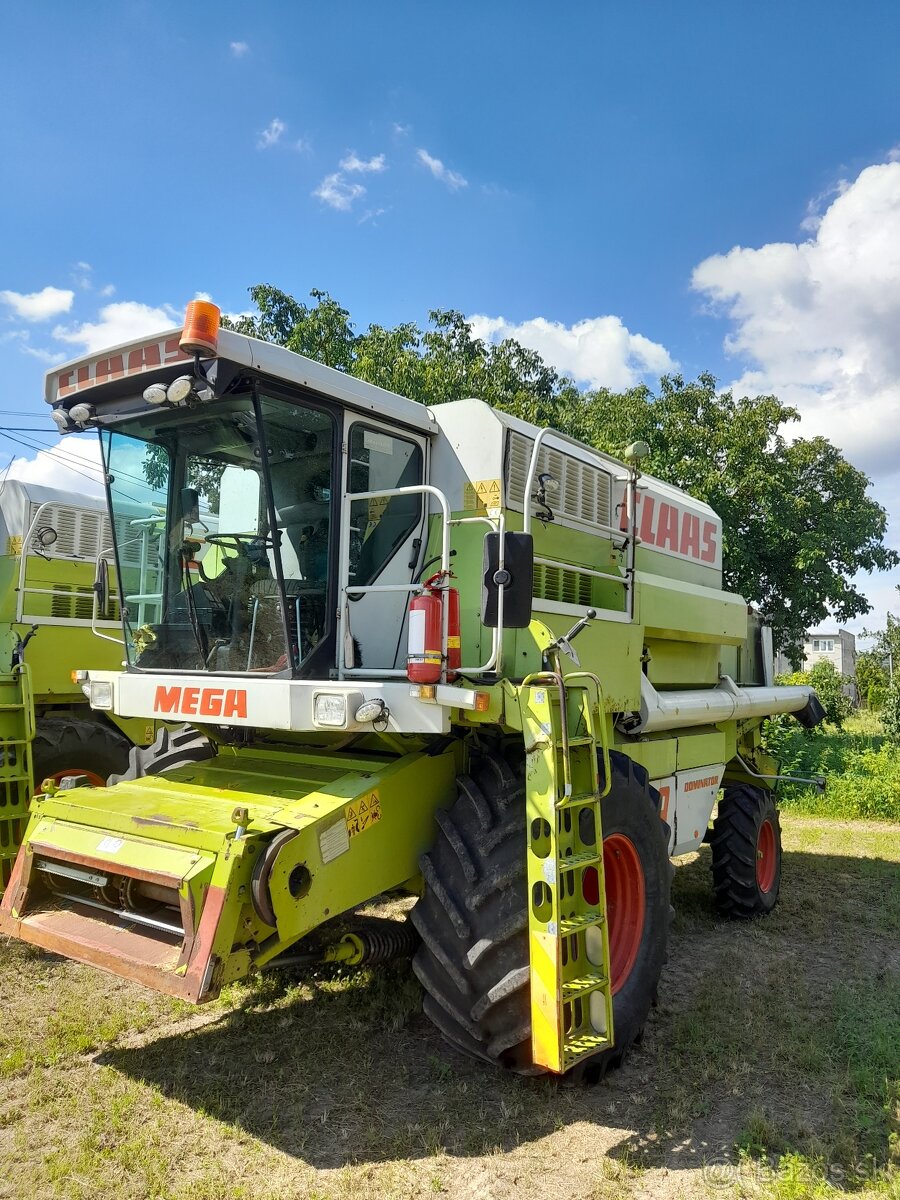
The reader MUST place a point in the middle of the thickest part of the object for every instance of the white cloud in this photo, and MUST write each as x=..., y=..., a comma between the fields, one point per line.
x=271, y=135
x=401, y=130
x=817, y=322
x=453, y=179
x=45, y=356
x=599, y=351
x=302, y=145
x=108, y=289
x=22, y=338
x=39, y=306
x=73, y=463
x=119, y=323
x=371, y=215
x=352, y=162
x=238, y=49
x=337, y=193
x=82, y=274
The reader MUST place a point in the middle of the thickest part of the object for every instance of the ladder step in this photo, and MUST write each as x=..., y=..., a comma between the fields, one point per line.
x=583, y=986
x=578, y=798
x=583, y=921
x=581, y=741
x=574, y=861
x=587, y=1043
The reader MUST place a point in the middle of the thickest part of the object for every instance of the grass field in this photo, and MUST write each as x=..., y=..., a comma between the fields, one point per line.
x=768, y=1070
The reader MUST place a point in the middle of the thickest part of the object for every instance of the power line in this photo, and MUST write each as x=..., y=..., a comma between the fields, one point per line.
x=67, y=465
x=66, y=458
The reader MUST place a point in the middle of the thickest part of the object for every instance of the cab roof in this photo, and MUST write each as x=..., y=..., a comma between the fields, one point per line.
x=86, y=377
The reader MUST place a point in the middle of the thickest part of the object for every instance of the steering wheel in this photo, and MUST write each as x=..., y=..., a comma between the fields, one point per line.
x=238, y=541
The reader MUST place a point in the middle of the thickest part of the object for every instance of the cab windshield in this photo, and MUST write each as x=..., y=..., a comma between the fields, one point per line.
x=214, y=574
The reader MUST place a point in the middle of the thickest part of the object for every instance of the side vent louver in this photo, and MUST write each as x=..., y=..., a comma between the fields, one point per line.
x=585, y=491
x=556, y=583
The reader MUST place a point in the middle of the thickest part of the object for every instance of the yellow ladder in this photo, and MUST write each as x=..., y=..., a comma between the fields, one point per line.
x=564, y=726
x=16, y=733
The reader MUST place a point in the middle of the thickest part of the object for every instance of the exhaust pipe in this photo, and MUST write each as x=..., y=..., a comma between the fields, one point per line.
x=725, y=702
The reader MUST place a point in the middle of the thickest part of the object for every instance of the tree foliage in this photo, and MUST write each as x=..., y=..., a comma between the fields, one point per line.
x=798, y=524
x=871, y=679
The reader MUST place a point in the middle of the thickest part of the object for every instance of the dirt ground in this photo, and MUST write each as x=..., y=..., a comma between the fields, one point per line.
x=769, y=1068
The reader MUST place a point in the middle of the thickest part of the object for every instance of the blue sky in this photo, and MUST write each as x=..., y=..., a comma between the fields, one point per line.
x=629, y=187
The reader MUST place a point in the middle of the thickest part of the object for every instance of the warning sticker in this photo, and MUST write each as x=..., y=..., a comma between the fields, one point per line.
x=109, y=845
x=334, y=841
x=377, y=505
x=362, y=814
x=482, y=494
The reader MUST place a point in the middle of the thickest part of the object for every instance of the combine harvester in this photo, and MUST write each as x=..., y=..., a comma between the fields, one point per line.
x=440, y=651
x=50, y=542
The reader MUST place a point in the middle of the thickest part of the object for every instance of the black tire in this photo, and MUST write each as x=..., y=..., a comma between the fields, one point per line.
x=172, y=748
x=746, y=852
x=473, y=919
x=68, y=745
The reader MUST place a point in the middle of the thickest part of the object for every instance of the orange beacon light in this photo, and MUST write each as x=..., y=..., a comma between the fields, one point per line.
x=201, y=327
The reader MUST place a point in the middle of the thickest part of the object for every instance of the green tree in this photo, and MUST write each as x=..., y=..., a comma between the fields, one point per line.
x=798, y=524
x=890, y=711
x=871, y=677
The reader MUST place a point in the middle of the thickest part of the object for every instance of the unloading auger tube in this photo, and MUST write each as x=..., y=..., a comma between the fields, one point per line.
x=530, y=806
x=682, y=709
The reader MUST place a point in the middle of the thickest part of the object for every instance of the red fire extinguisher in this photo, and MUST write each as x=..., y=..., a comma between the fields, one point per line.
x=426, y=619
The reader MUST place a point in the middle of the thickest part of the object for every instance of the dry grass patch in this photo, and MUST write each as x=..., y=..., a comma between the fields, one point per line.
x=775, y=1042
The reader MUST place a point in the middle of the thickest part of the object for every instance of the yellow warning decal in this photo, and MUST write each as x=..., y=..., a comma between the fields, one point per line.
x=452, y=642
x=362, y=814
x=483, y=493
x=377, y=505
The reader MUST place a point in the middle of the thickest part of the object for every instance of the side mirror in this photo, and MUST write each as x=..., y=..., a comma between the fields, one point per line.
x=515, y=578
x=101, y=589
x=190, y=505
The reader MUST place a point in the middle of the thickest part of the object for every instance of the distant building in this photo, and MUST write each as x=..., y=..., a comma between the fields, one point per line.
x=837, y=646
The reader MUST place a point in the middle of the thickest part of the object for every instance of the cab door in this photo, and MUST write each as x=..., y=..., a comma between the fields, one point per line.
x=384, y=543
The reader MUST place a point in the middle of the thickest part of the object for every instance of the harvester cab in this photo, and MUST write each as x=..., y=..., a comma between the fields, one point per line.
x=365, y=614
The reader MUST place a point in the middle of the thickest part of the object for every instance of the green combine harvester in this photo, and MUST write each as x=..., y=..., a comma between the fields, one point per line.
x=437, y=651
x=50, y=541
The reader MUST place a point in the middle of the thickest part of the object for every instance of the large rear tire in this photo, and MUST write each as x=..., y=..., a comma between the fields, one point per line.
x=473, y=962
x=68, y=745
x=746, y=852
x=172, y=748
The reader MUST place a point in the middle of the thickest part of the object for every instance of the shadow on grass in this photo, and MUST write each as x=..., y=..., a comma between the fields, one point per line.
x=775, y=1036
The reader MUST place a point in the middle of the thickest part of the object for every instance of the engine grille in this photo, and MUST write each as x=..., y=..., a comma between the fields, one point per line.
x=556, y=583
x=585, y=491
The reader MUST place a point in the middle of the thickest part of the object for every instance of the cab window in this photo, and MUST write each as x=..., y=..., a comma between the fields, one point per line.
x=381, y=524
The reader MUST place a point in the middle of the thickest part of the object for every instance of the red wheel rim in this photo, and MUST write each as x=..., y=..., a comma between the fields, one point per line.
x=766, y=856
x=94, y=780
x=625, y=905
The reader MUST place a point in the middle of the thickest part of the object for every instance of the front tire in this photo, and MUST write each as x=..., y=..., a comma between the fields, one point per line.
x=473, y=920
x=746, y=852
x=68, y=745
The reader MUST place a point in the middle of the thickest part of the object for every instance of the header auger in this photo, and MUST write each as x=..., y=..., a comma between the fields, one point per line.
x=435, y=650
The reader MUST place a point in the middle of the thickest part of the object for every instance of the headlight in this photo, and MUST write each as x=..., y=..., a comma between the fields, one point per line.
x=101, y=693
x=179, y=389
x=156, y=393
x=330, y=708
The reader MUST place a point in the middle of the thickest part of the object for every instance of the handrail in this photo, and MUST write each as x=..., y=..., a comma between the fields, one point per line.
x=344, y=586
x=631, y=477
x=23, y=590
x=548, y=431
x=94, y=614
x=565, y=566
